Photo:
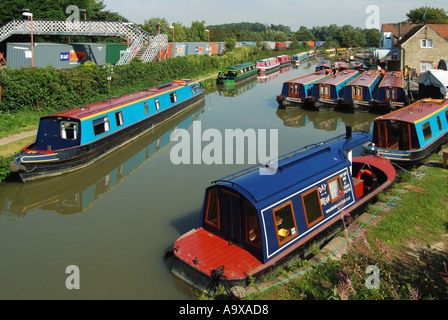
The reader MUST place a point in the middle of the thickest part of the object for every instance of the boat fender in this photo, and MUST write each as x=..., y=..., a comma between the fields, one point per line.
x=372, y=176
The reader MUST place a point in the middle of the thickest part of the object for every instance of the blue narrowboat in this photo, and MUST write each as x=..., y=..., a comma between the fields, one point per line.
x=297, y=92
x=392, y=93
x=323, y=65
x=74, y=138
x=410, y=134
x=299, y=57
x=359, y=92
x=251, y=222
x=328, y=93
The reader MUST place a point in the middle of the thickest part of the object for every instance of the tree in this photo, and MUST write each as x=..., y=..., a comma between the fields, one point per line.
x=427, y=15
x=372, y=36
x=304, y=35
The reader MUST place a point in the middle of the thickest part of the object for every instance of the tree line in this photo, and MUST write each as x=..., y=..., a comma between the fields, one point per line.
x=335, y=36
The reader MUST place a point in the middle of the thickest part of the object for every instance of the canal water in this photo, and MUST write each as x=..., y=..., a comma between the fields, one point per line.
x=115, y=220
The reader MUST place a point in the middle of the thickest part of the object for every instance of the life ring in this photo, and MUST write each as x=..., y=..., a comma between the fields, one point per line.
x=372, y=176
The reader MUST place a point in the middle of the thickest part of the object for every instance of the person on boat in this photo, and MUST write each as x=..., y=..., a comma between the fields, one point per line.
x=333, y=70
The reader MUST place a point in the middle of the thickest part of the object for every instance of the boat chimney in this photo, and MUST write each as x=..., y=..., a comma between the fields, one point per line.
x=348, y=136
x=348, y=132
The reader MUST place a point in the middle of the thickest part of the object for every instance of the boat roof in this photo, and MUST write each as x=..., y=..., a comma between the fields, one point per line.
x=241, y=65
x=392, y=79
x=309, y=77
x=322, y=62
x=338, y=77
x=319, y=158
x=365, y=79
x=90, y=110
x=417, y=111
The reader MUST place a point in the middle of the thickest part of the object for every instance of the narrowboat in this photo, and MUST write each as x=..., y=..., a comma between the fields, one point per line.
x=74, y=138
x=284, y=59
x=392, y=93
x=328, y=93
x=251, y=222
x=297, y=92
x=236, y=73
x=299, y=58
x=268, y=64
x=359, y=92
x=323, y=64
x=340, y=65
x=410, y=134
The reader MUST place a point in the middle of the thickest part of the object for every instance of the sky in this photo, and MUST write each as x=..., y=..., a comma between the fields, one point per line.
x=292, y=13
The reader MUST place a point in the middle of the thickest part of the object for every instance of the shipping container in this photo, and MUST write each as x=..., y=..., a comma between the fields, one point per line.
x=114, y=51
x=270, y=44
x=60, y=56
x=280, y=46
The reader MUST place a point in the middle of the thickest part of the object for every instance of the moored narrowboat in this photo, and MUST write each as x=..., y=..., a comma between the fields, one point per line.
x=268, y=64
x=410, y=134
x=297, y=92
x=237, y=73
x=359, y=92
x=284, y=59
x=74, y=138
x=392, y=93
x=328, y=93
x=323, y=65
x=251, y=222
x=298, y=58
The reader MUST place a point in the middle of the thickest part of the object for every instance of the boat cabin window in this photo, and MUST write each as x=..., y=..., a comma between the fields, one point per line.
x=101, y=125
x=427, y=133
x=439, y=123
x=446, y=115
x=335, y=189
x=157, y=103
x=312, y=207
x=195, y=88
x=173, y=97
x=146, y=107
x=212, y=208
x=119, y=118
x=69, y=130
x=253, y=233
x=285, y=223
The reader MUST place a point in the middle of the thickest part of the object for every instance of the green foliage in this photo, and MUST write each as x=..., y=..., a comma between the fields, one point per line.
x=427, y=15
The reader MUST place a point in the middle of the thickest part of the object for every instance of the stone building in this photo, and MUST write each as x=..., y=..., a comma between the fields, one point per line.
x=423, y=47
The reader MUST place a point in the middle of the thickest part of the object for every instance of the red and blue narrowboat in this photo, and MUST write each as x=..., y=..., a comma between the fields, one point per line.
x=410, y=134
x=268, y=64
x=251, y=222
x=359, y=92
x=392, y=93
x=284, y=59
x=74, y=138
x=297, y=92
x=328, y=93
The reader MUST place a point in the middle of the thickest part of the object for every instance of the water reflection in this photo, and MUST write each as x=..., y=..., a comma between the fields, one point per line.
x=77, y=191
x=329, y=121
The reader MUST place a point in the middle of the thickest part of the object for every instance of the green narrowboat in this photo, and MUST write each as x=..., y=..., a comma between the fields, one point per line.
x=237, y=73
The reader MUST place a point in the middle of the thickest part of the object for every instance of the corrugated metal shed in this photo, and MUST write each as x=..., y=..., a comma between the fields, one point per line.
x=60, y=56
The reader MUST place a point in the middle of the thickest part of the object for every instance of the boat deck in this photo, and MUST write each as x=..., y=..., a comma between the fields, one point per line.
x=416, y=112
x=309, y=77
x=90, y=109
x=238, y=262
x=338, y=77
x=392, y=79
x=365, y=79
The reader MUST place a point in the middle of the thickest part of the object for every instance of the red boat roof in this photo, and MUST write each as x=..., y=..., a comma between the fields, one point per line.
x=365, y=79
x=310, y=77
x=212, y=251
x=339, y=77
x=392, y=79
x=95, y=108
x=417, y=111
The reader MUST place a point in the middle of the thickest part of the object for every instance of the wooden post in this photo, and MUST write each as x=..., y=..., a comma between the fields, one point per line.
x=445, y=157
